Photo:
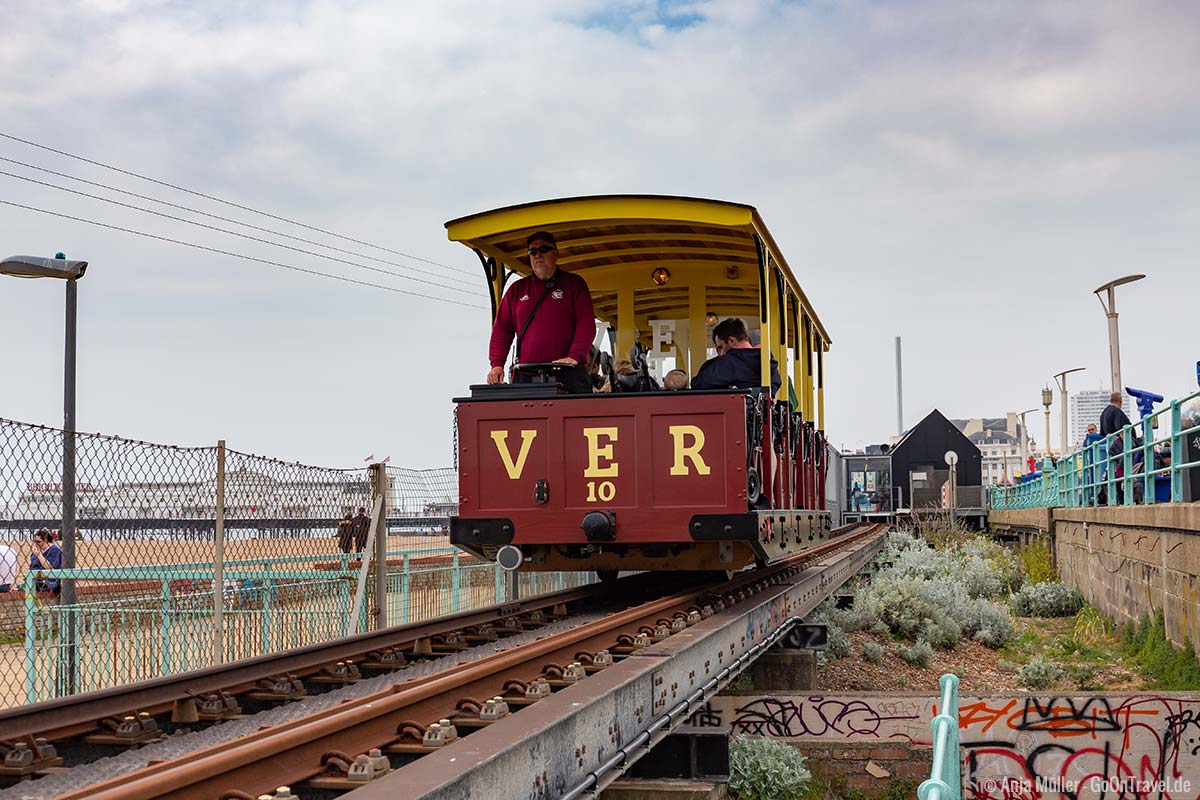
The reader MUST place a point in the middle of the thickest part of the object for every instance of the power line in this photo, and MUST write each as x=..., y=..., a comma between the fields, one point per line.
x=238, y=255
x=234, y=221
x=220, y=200
x=231, y=233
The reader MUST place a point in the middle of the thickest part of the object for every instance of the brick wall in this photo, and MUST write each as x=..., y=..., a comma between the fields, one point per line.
x=870, y=766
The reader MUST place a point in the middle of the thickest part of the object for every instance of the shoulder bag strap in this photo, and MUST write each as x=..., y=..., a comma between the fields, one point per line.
x=521, y=336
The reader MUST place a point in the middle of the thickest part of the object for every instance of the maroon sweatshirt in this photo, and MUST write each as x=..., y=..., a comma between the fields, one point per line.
x=563, y=327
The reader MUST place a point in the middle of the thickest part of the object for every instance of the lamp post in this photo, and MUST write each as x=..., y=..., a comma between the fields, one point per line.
x=1061, y=379
x=70, y=271
x=1047, y=401
x=1024, y=438
x=1114, y=340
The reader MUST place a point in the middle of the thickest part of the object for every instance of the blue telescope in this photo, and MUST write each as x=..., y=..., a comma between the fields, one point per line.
x=1145, y=400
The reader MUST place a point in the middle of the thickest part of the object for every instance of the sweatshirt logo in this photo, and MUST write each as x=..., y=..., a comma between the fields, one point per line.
x=524, y=297
x=557, y=294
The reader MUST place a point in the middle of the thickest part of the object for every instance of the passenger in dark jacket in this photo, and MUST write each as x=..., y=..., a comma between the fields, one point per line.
x=738, y=364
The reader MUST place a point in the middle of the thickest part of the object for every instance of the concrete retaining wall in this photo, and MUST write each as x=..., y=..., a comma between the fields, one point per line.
x=1013, y=745
x=1128, y=561
x=1125, y=560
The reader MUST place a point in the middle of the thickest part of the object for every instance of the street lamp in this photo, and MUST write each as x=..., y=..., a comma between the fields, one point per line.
x=1047, y=401
x=1061, y=379
x=1025, y=437
x=70, y=271
x=1114, y=340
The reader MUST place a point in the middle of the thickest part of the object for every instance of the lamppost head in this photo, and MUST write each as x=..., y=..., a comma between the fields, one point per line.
x=40, y=267
x=1047, y=397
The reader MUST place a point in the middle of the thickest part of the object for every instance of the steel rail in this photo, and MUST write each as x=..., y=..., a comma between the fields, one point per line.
x=292, y=752
x=76, y=715
x=616, y=717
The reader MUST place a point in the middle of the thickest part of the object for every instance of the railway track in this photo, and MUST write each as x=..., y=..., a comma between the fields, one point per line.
x=355, y=744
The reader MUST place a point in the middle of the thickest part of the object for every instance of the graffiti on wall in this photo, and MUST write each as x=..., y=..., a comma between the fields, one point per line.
x=1089, y=747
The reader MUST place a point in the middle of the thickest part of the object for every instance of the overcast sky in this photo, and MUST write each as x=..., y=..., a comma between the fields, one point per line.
x=960, y=174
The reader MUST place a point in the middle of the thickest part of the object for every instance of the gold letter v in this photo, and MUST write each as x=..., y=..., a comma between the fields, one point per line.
x=501, y=440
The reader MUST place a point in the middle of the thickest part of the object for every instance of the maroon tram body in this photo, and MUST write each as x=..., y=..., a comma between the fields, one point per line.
x=650, y=481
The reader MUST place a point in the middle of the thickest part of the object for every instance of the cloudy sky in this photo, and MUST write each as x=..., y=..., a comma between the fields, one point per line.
x=960, y=174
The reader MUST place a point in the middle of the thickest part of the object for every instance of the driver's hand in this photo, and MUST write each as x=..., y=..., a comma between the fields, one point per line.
x=567, y=360
x=495, y=375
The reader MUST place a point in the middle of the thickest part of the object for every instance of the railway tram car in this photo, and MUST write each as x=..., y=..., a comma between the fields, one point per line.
x=697, y=479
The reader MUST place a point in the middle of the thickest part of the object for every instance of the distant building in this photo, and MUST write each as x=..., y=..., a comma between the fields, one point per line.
x=1086, y=407
x=999, y=443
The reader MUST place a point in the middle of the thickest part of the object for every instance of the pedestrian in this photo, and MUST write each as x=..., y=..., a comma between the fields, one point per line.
x=46, y=555
x=345, y=533
x=361, y=524
x=8, y=568
x=1112, y=421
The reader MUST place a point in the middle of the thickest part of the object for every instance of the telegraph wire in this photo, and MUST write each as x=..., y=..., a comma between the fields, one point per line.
x=238, y=255
x=235, y=233
x=223, y=201
x=472, y=284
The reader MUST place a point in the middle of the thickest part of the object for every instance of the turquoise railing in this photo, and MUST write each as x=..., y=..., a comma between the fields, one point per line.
x=1116, y=469
x=158, y=619
x=945, y=776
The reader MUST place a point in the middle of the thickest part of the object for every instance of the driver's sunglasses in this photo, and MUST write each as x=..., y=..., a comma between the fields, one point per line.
x=542, y=250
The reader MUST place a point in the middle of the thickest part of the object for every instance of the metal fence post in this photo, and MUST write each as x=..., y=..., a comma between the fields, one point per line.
x=379, y=488
x=218, y=588
x=1176, y=453
x=456, y=586
x=167, y=643
x=405, y=591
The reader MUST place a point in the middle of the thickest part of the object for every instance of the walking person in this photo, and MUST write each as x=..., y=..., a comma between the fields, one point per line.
x=345, y=533
x=361, y=524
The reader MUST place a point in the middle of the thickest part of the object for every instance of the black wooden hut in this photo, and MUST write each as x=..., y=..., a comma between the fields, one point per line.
x=919, y=461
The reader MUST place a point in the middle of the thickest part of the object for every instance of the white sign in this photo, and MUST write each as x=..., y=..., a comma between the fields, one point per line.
x=663, y=332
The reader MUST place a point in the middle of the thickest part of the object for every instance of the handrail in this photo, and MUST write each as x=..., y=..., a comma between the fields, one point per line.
x=1088, y=476
x=945, y=776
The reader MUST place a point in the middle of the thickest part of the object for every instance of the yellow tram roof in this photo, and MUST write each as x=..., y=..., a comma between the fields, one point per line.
x=616, y=241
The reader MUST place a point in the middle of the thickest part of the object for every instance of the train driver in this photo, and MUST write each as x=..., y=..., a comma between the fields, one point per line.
x=738, y=363
x=550, y=314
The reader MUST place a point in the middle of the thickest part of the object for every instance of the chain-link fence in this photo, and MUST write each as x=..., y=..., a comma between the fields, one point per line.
x=187, y=556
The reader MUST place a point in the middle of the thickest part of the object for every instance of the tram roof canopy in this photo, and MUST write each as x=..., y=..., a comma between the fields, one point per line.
x=617, y=241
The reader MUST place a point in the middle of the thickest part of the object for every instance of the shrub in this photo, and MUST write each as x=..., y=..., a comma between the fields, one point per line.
x=872, y=653
x=1171, y=667
x=943, y=633
x=1047, y=600
x=981, y=578
x=917, y=655
x=1039, y=673
x=1037, y=563
x=840, y=645
x=766, y=769
x=991, y=624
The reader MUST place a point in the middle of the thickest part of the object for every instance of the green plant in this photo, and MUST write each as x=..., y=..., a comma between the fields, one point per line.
x=1037, y=562
x=1039, y=673
x=1091, y=626
x=1083, y=676
x=918, y=654
x=872, y=653
x=766, y=769
x=1047, y=600
x=1171, y=667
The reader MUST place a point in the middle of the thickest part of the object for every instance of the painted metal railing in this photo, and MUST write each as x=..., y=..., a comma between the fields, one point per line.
x=154, y=620
x=1127, y=467
x=945, y=776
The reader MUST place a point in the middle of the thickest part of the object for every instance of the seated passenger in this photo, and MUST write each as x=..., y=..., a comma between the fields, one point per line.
x=675, y=380
x=738, y=363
